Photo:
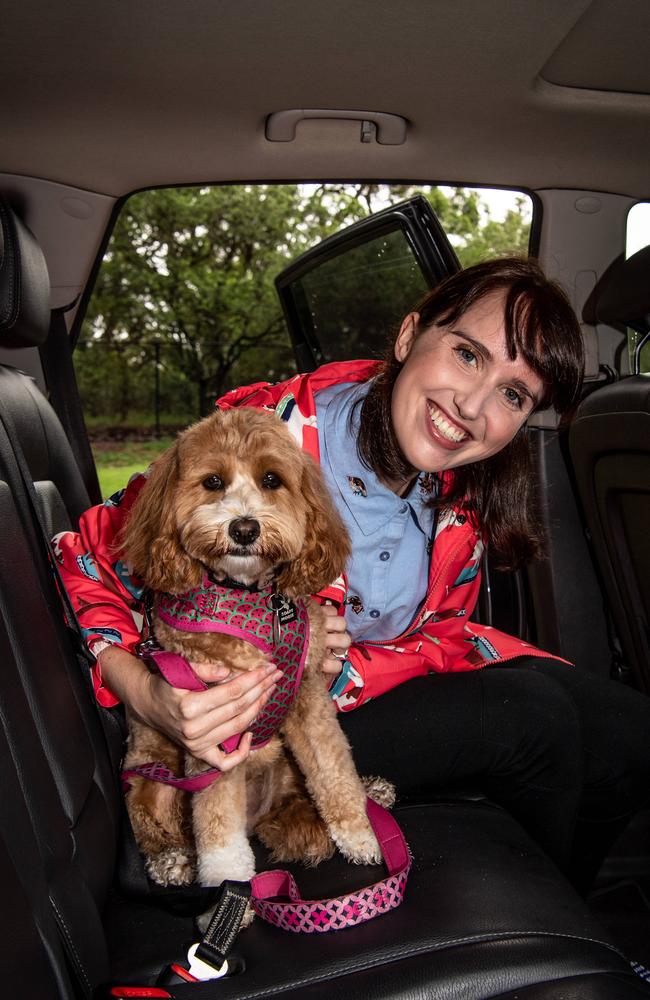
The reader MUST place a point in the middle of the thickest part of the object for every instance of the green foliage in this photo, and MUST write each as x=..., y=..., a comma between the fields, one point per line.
x=185, y=305
x=117, y=463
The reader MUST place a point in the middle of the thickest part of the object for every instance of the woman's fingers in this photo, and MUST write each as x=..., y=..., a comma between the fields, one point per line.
x=340, y=642
x=331, y=665
x=227, y=761
x=212, y=673
x=221, y=729
x=233, y=695
x=206, y=745
x=337, y=640
x=200, y=720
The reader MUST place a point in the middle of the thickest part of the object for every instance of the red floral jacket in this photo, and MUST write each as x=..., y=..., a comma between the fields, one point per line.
x=108, y=602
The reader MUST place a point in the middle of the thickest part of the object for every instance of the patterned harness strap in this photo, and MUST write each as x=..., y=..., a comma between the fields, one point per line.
x=267, y=620
x=316, y=916
x=177, y=672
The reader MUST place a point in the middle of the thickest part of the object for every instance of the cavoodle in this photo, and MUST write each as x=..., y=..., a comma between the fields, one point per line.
x=235, y=527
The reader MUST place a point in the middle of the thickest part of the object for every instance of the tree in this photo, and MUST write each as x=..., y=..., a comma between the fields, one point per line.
x=185, y=297
x=192, y=269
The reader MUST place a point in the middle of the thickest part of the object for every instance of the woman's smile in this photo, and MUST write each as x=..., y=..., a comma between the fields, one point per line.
x=443, y=428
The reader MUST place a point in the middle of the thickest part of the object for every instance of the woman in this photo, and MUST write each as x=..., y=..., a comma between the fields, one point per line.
x=426, y=457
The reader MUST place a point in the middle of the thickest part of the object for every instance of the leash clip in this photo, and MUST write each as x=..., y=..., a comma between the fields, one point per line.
x=146, y=647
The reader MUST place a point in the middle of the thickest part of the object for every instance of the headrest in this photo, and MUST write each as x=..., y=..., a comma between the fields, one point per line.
x=622, y=295
x=24, y=284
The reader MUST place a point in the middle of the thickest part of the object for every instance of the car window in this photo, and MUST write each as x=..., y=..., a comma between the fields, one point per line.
x=344, y=298
x=637, y=237
x=184, y=306
x=358, y=297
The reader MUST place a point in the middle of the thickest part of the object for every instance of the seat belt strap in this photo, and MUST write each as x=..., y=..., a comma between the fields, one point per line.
x=56, y=358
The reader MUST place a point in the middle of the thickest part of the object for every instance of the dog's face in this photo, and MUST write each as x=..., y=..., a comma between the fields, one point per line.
x=238, y=502
x=238, y=496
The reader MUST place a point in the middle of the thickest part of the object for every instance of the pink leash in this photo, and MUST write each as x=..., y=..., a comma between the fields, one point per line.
x=316, y=916
x=177, y=672
x=302, y=916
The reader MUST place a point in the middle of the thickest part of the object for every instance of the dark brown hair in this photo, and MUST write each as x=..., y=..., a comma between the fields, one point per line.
x=540, y=325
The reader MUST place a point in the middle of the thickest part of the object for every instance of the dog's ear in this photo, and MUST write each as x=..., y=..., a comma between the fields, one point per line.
x=327, y=547
x=150, y=541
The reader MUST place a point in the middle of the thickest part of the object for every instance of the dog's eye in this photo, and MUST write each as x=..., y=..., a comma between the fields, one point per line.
x=270, y=481
x=213, y=482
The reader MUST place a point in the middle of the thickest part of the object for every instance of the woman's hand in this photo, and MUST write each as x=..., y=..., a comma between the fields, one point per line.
x=197, y=720
x=338, y=640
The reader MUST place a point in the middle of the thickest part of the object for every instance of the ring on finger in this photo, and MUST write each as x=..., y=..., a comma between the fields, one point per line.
x=339, y=656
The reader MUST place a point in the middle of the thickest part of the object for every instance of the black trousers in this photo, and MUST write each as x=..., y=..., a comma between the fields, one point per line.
x=565, y=752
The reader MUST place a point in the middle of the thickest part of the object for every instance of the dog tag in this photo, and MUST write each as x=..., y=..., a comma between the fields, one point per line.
x=284, y=612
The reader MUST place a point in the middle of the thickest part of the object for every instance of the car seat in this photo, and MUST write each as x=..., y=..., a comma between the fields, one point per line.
x=609, y=442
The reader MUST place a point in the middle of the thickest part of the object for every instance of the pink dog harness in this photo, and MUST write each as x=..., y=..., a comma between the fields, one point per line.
x=272, y=623
x=280, y=628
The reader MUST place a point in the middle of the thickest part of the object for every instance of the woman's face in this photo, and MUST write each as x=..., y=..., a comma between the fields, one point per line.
x=459, y=398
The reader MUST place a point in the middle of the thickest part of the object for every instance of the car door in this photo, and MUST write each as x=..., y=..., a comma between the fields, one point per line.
x=344, y=299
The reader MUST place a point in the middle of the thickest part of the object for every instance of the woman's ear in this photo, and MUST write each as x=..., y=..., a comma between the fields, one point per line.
x=326, y=550
x=149, y=540
x=406, y=336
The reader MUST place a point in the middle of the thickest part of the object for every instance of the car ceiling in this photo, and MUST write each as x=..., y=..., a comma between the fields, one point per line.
x=111, y=97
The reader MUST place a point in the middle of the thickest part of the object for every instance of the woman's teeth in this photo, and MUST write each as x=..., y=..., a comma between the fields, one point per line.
x=444, y=427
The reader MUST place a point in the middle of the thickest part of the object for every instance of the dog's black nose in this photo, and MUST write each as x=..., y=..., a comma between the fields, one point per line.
x=244, y=530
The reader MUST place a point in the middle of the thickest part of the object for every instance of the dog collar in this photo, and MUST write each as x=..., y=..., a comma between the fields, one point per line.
x=231, y=583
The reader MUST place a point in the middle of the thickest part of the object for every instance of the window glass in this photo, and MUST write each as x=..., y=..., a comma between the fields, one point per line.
x=638, y=237
x=354, y=301
x=185, y=308
x=637, y=234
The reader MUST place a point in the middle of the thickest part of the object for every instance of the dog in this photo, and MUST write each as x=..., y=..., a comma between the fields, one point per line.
x=236, y=499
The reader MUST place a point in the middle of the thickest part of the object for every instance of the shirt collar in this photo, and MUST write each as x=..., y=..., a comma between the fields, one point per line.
x=370, y=503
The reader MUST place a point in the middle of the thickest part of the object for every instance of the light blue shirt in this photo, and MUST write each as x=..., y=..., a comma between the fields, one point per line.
x=390, y=535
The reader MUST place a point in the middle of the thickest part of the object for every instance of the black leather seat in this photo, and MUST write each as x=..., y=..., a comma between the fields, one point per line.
x=485, y=914
x=609, y=442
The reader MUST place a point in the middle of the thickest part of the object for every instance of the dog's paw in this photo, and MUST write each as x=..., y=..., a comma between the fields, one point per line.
x=357, y=843
x=234, y=861
x=380, y=790
x=175, y=866
x=296, y=833
x=204, y=919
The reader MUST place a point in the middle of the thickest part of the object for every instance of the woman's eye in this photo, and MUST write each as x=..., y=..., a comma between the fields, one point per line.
x=466, y=355
x=270, y=481
x=514, y=398
x=213, y=482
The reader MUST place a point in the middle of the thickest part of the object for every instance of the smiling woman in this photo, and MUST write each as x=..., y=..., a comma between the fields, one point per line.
x=483, y=351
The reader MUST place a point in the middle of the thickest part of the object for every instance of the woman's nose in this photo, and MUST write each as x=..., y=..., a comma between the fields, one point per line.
x=470, y=402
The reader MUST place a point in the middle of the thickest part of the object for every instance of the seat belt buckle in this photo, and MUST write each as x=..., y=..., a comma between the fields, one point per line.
x=211, y=957
x=197, y=971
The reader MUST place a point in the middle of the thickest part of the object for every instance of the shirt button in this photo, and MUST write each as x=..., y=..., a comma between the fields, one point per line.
x=384, y=556
x=403, y=509
x=374, y=613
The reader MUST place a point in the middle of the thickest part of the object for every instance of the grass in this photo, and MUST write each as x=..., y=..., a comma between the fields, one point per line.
x=116, y=463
